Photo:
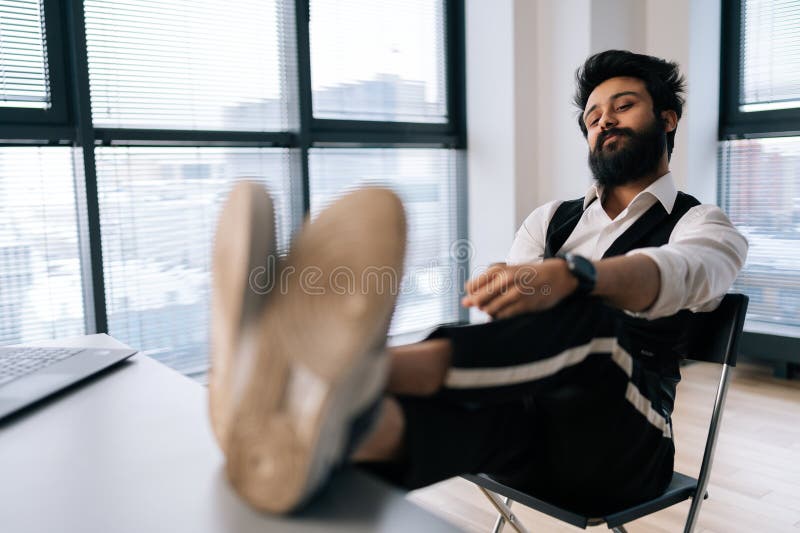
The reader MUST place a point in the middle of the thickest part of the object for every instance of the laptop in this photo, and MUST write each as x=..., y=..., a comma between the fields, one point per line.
x=29, y=374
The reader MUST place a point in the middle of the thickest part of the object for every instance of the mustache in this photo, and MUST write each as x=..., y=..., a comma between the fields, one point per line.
x=603, y=135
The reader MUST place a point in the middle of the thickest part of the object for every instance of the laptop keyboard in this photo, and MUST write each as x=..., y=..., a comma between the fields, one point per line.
x=16, y=362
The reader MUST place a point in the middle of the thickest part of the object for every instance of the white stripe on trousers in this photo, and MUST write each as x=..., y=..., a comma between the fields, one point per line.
x=469, y=378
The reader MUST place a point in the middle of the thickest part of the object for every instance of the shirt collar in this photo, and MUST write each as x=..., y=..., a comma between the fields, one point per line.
x=663, y=189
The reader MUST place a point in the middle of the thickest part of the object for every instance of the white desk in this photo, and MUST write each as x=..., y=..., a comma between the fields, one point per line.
x=132, y=451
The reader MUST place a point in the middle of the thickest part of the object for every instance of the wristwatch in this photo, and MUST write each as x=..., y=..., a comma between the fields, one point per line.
x=583, y=270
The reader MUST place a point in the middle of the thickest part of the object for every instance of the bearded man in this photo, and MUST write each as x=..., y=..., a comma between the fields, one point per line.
x=566, y=394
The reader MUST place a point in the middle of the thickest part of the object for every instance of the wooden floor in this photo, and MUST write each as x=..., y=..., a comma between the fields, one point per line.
x=755, y=480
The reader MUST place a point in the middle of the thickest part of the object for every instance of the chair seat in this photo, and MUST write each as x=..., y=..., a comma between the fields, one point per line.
x=681, y=487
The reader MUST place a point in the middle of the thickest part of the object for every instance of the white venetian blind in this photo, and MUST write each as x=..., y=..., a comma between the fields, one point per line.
x=158, y=212
x=192, y=65
x=770, y=52
x=23, y=55
x=40, y=270
x=425, y=180
x=378, y=60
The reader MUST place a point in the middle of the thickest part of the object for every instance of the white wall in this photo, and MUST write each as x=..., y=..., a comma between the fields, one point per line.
x=491, y=169
x=525, y=147
x=702, y=109
x=667, y=36
x=562, y=171
x=618, y=24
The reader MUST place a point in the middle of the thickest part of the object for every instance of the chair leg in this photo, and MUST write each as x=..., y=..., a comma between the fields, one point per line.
x=504, y=510
x=501, y=521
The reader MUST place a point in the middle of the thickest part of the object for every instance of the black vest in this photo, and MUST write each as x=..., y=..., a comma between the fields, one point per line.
x=658, y=344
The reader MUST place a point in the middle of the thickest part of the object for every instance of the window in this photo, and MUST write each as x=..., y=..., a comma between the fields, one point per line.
x=399, y=71
x=759, y=154
x=40, y=271
x=201, y=65
x=109, y=208
x=23, y=56
x=32, y=77
x=158, y=210
x=425, y=179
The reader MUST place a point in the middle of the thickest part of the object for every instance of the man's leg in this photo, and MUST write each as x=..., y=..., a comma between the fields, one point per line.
x=557, y=379
x=547, y=402
x=454, y=423
x=416, y=369
x=419, y=369
x=385, y=440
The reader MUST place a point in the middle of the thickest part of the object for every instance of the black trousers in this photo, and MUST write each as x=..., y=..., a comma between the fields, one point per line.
x=551, y=403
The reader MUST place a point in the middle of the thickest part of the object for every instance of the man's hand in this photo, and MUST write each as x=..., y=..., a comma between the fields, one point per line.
x=504, y=291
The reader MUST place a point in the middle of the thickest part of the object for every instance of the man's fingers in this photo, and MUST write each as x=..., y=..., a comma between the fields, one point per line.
x=483, y=296
x=477, y=282
x=498, y=285
x=502, y=301
x=483, y=278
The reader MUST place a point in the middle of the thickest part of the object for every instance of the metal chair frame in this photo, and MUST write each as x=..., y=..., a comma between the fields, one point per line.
x=715, y=339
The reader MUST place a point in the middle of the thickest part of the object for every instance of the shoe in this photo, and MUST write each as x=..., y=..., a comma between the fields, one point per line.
x=304, y=395
x=244, y=261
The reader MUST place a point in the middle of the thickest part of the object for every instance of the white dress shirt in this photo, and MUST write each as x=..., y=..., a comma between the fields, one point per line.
x=698, y=265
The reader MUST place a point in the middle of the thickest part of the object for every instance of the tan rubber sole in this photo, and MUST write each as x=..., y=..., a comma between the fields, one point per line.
x=319, y=358
x=244, y=240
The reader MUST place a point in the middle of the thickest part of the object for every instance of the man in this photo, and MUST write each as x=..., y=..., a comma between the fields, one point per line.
x=567, y=393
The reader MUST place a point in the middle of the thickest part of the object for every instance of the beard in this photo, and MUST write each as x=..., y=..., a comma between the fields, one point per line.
x=617, y=165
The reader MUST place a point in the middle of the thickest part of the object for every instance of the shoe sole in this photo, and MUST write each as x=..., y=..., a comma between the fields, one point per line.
x=244, y=243
x=321, y=359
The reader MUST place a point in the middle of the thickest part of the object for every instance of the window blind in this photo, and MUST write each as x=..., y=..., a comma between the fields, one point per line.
x=425, y=180
x=40, y=270
x=761, y=194
x=23, y=55
x=158, y=210
x=199, y=65
x=770, y=55
x=378, y=60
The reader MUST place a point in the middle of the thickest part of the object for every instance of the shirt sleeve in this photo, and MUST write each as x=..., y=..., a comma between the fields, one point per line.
x=528, y=245
x=698, y=265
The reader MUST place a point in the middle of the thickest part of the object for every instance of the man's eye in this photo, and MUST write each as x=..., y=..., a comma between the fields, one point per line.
x=624, y=106
x=593, y=122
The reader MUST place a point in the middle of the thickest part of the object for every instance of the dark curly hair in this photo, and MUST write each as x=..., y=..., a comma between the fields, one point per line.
x=662, y=79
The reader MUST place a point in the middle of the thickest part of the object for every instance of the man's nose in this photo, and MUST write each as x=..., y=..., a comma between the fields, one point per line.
x=608, y=121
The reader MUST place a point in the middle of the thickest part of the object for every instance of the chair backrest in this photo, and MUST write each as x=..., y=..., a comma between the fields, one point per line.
x=715, y=339
x=715, y=335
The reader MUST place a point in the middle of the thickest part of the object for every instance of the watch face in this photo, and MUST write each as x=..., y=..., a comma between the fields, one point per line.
x=583, y=270
x=582, y=267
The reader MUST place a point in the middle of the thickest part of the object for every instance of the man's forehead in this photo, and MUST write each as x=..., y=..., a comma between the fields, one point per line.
x=613, y=86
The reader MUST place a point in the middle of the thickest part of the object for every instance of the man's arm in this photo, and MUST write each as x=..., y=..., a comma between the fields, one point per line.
x=692, y=271
x=699, y=264
x=630, y=282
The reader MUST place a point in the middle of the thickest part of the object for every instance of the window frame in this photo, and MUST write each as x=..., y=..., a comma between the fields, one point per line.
x=69, y=122
x=781, y=351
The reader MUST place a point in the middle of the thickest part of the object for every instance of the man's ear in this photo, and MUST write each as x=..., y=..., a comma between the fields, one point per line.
x=670, y=119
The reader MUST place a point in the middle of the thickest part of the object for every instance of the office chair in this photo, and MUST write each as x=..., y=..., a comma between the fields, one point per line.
x=715, y=339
